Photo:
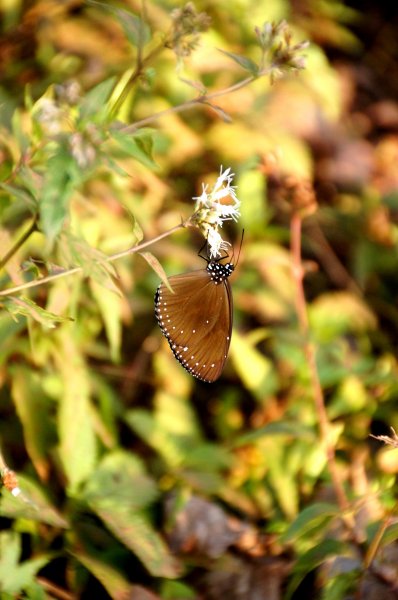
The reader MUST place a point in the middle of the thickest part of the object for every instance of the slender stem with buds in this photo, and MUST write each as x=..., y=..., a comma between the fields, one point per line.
x=67, y=272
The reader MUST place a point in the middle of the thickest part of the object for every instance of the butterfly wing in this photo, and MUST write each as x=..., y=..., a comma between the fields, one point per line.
x=197, y=322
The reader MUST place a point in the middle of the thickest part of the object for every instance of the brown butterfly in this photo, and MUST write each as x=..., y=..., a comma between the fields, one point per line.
x=197, y=318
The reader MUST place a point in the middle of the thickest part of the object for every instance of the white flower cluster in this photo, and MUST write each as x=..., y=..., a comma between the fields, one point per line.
x=211, y=211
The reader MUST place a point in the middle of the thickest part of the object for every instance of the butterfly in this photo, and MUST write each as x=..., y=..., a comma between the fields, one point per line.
x=197, y=318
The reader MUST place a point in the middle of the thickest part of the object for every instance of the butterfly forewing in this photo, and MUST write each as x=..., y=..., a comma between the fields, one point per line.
x=197, y=321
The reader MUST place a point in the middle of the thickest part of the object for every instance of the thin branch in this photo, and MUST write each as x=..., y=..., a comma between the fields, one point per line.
x=18, y=243
x=49, y=278
x=204, y=100
x=309, y=349
x=328, y=258
x=377, y=539
x=56, y=591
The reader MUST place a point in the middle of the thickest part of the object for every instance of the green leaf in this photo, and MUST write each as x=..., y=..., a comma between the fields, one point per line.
x=208, y=457
x=94, y=103
x=33, y=412
x=157, y=267
x=345, y=584
x=136, y=30
x=110, y=307
x=78, y=448
x=252, y=190
x=25, y=195
x=287, y=428
x=351, y=397
x=77, y=252
x=15, y=576
x=138, y=145
x=60, y=180
x=34, y=591
x=281, y=478
x=336, y=313
x=112, y=580
x=135, y=532
x=31, y=504
x=389, y=535
x=311, y=517
x=9, y=333
x=168, y=446
x=177, y=590
x=255, y=370
x=26, y=307
x=246, y=63
x=311, y=559
x=21, y=136
x=122, y=476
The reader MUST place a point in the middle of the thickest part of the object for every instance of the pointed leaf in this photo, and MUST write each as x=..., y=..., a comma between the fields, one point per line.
x=311, y=559
x=22, y=194
x=171, y=447
x=32, y=408
x=135, y=532
x=138, y=146
x=78, y=448
x=309, y=518
x=157, y=267
x=246, y=63
x=110, y=308
x=112, y=580
x=390, y=534
x=31, y=504
x=26, y=307
x=15, y=576
x=76, y=251
x=59, y=183
x=255, y=369
x=94, y=102
x=136, y=30
x=287, y=428
x=120, y=477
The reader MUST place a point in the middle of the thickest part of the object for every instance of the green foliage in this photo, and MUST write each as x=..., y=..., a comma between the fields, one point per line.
x=15, y=576
x=130, y=472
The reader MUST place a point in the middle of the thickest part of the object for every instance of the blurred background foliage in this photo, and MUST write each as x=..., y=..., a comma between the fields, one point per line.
x=138, y=481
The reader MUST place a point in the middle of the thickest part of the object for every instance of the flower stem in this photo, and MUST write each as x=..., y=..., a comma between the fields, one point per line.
x=74, y=270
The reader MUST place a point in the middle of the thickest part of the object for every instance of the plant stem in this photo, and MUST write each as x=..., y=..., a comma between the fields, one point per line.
x=18, y=243
x=376, y=541
x=204, y=100
x=141, y=64
x=67, y=272
x=310, y=353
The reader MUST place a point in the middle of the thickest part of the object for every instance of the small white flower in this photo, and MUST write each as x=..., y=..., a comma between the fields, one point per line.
x=49, y=114
x=210, y=212
x=82, y=151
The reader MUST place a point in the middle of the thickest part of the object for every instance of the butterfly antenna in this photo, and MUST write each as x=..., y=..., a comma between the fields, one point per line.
x=240, y=246
x=201, y=250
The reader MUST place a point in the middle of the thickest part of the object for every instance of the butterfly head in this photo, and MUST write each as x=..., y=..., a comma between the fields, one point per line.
x=218, y=272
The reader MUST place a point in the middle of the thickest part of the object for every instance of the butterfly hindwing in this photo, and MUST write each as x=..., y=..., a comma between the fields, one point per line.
x=197, y=321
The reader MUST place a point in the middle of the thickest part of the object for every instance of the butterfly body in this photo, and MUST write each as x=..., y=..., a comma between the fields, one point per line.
x=197, y=318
